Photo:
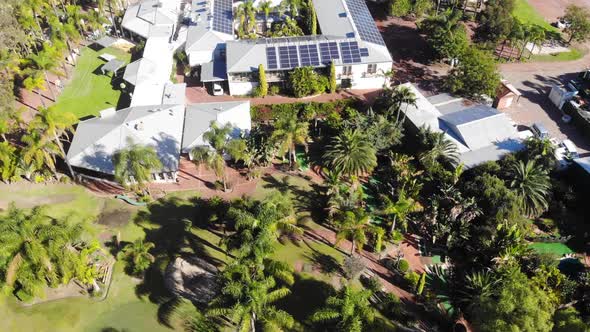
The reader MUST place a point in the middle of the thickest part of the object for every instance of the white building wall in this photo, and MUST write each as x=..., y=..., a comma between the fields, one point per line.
x=241, y=88
x=361, y=79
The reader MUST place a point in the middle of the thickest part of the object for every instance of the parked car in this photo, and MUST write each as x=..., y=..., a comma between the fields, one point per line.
x=540, y=131
x=565, y=153
x=217, y=90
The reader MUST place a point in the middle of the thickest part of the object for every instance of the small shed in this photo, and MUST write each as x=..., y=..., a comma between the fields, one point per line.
x=112, y=66
x=105, y=41
x=506, y=96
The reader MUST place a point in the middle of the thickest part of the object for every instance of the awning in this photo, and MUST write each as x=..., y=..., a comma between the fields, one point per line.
x=215, y=71
x=106, y=41
x=112, y=66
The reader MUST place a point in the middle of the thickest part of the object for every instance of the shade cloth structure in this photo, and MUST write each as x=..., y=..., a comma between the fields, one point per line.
x=106, y=41
x=112, y=66
x=107, y=57
x=214, y=71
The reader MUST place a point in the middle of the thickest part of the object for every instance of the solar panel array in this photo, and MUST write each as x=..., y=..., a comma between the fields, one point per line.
x=293, y=56
x=309, y=55
x=288, y=56
x=350, y=52
x=329, y=52
x=271, y=58
x=223, y=16
x=364, y=22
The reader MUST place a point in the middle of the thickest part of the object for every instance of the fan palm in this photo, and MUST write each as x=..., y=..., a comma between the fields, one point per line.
x=288, y=132
x=138, y=255
x=54, y=124
x=531, y=184
x=438, y=147
x=354, y=226
x=135, y=164
x=351, y=153
x=350, y=309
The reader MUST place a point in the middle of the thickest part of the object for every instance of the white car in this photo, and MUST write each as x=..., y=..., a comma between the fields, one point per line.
x=217, y=90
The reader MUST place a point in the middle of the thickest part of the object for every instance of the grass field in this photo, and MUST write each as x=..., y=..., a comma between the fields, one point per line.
x=88, y=91
x=558, y=249
x=573, y=54
x=527, y=14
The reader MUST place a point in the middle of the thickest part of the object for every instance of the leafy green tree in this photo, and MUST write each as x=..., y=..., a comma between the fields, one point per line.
x=400, y=8
x=312, y=17
x=579, y=23
x=46, y=61
x=540, y=150
x=421, y=7
x=400, y=208
x=137, y=255
x=304, y=81
x=134, y=165
x=475, y=75
x=517, y=305
x=333, y=85
x=262, y=83
x=437, y=148
x=569, y=320
x=446, y=34
x=286, y=28
x=351, y=153
x=8, y=161
x=532, y=186
x=495, y=22
x=39, y=151
x=288, y=132
x=349, y=310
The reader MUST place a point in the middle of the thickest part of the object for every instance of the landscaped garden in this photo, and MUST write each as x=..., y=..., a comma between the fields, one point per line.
x=90, y=91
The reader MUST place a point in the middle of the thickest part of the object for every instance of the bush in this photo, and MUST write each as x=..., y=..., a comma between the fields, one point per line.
x=421, y=283
x=24, y=296
x=352, y=267
x=401, y=8
x=396, y=236
x=373, y=284
x=412, y=278
x=403, y=266
x=305, y=81
x=262, y=83
x=274, y=90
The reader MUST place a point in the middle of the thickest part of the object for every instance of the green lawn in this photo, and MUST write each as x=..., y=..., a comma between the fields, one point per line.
x=556, y=248
x=88, y=91
x=527, y=14
x=573, y=54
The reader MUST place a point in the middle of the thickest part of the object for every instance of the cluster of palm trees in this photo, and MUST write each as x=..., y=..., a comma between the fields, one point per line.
x=288, y=11
x=37, y=251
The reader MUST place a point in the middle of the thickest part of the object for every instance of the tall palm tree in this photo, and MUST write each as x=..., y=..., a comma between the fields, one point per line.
x=138, y=255
x=265, y=8
x=354, y=226
x=531, y=184
x=402, y=95
x=135, y=164
x=438, y=147
x=288, y=132
x=40, y=151
x=35, y=82
x=54, y=124
x=351, y=153
x=349, y=309
x=399, y=209
x=46, y=61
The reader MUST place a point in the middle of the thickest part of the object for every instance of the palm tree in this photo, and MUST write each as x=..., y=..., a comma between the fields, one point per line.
x=288, y=132
x=54, y=124
x=32, y=244
x=351, y=153
x=477, y=287
x=40, y=151
x=45, y=61
x=265, y=7
x=135, y=164
x=220, y=145
x=438, y=147
x=354, y=226
x=349, y=309
x=8, y=161
x=35, y=82
x=399, y=209
x=531, y=184
x=403, y=95
x=138, y=255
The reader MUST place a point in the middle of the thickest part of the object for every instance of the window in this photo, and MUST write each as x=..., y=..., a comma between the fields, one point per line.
x=347, y=70
x=371, y=68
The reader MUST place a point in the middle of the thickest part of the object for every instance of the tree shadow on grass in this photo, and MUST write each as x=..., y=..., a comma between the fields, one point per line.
x=307, y=296
x=328, y=264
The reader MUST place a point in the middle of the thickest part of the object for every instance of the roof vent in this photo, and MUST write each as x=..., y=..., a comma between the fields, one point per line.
x=107, y=112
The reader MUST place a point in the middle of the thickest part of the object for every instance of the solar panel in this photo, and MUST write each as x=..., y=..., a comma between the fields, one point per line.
x=223, y=16
x=364, y=22
x=271, y=58
x=350, y=52
x=309, y=55
x=288, y=56
x=329, y=52
x=364, y=51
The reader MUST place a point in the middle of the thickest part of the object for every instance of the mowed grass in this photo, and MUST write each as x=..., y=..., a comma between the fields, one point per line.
x=527, y=14
x=556, y=248
x=88, y=91
x=573, y=54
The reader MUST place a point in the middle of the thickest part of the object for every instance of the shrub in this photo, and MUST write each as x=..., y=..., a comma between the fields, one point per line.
x=305, y=81
x=421, y=283
x=373, y=284
x=352, y=267
x=401, y=8
x=397, y=236
x=332, y=77
x=403, y=266
x=262, y=83
x=412, y=279
x=274, y=90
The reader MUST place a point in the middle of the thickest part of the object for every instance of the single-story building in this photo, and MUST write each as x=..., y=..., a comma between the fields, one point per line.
x=481, y=133
x=140, y=17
